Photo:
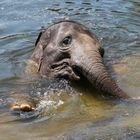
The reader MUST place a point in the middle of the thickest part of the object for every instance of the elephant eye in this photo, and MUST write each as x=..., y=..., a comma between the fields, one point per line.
x=67, y=41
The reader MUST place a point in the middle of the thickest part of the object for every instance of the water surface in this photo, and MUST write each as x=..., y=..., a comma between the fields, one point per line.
x=66, y=111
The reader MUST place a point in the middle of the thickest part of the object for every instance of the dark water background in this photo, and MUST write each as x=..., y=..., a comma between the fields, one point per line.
x=73, y=113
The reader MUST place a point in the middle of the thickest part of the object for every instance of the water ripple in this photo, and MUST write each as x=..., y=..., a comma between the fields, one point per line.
x=116, y=23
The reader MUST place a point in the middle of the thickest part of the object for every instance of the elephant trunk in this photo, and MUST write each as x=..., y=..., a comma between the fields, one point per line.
x=94, y=70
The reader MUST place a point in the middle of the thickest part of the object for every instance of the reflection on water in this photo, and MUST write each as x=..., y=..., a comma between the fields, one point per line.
x=128, y=74
x=68, y=111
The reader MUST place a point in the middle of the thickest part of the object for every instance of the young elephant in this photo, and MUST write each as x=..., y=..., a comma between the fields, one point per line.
x=68, y=49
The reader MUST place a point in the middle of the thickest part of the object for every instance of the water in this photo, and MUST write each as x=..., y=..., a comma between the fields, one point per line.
x=70, y=112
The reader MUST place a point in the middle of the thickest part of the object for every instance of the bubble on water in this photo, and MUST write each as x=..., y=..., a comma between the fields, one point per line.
x=2, y=8
x=60, y=102
x=28, y=115
x=38, y=93
x=1, y=102
x=45, y=93
x=49, y=105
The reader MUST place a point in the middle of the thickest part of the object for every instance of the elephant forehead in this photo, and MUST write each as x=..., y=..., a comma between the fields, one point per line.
x=66, y=26
x=60, y=27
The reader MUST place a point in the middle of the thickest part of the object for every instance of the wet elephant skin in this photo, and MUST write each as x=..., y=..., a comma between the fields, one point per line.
x=70, y=50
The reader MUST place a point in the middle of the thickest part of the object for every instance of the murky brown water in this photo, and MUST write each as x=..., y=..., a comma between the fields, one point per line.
x=70, y=111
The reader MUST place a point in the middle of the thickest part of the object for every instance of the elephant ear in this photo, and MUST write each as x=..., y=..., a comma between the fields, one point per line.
x=38, y=51
x=38, y=38
x=102, y=51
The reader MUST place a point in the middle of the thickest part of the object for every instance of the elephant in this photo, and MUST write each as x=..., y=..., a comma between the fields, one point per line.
x=68, y=49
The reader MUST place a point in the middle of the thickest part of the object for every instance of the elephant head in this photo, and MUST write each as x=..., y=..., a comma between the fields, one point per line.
x=68, y=49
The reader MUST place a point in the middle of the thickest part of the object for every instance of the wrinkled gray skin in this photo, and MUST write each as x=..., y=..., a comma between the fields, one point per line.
x=68, y=49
